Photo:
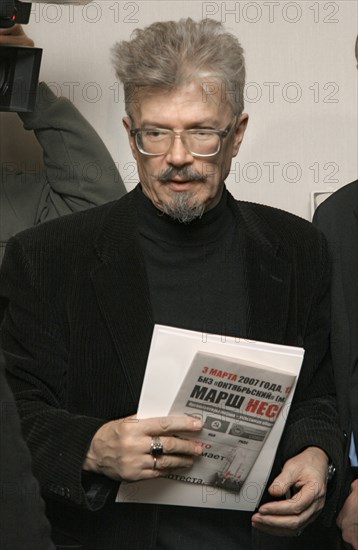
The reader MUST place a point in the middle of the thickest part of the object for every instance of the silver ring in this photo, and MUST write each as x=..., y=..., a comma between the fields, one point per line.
x=156, y=447
x=299, y=533
x=155, y=463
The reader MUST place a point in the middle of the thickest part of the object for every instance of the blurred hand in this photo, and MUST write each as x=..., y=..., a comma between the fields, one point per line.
x=120, y=449
x=15, y=36
x=305, y=477
x=347, y=519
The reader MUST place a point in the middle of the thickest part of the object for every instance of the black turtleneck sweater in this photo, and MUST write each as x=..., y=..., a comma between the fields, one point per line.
x=194, y=270
x=196, y=282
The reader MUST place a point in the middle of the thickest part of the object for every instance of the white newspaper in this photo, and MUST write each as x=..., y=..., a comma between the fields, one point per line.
x=240, y=479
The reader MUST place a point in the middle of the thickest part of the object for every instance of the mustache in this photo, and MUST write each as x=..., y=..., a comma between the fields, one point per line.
x=185, y=173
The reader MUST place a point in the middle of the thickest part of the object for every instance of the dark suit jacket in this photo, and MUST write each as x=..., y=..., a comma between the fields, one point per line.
x=77, y=334
x=337, y=217
x=22, y=512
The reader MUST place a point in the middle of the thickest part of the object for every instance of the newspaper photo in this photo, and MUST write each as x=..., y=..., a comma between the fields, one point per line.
x=238, y=402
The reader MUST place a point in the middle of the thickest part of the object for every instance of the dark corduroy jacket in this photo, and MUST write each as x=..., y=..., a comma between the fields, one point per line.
x=77, y=332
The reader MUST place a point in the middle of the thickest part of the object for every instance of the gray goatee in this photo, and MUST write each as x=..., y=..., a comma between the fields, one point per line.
x=181, y=209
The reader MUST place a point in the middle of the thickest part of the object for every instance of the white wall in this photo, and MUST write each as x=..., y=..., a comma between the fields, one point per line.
x=301, y=92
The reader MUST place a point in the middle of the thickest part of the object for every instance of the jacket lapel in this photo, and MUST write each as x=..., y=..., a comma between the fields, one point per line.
x=267, y=280
x=266, y=277
x=122, y=292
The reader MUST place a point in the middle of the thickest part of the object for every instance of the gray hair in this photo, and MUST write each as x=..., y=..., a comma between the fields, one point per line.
x=168, y=54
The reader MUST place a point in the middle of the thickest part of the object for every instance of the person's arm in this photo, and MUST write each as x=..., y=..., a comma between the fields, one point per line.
x=312, y=437
x=78, y=170
x=32, y=339
x=77, y=458
x=22, y=511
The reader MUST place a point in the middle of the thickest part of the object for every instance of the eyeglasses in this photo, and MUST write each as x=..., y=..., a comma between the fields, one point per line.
x=200, y=142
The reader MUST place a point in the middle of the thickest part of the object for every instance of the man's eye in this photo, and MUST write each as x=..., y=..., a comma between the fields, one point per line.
x=202, y=135
x=154, y=134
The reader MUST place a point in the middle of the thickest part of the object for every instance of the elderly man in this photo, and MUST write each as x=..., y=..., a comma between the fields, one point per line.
x=84, y=292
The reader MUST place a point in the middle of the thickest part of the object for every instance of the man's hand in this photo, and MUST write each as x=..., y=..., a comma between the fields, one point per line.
x=120, y=449
x=347, y=519
x=15, y=36
x=305, y=477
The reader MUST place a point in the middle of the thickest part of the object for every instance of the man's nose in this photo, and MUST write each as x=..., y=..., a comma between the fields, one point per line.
x=178, y=155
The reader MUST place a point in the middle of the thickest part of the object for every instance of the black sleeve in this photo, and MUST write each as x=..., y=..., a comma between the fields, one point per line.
x=37, y=371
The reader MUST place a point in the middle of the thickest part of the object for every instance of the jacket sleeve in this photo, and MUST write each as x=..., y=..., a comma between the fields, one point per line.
x=313, y=418
x=32, y=338
x=79, y=172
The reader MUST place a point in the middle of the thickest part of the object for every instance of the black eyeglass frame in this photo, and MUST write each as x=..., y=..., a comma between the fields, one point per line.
x=221, y=133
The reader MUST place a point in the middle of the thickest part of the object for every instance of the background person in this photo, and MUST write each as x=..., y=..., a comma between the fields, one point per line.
x=78, y=170
x=22, y=511
x=337, y=217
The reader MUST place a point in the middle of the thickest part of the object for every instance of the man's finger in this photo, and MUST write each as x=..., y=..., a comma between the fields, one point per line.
x=171, y=424
x=15, y=36
x=309, y=494
x=281, y=524
x=179, y=446
x=15, y=30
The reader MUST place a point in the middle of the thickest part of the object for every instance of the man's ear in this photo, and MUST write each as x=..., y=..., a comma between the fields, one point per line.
x=240, y=128
x=127, y=123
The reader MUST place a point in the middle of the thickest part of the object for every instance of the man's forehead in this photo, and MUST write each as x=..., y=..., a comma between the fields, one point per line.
x=201, y=99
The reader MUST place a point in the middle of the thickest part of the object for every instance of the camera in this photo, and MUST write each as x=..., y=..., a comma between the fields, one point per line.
x=19, y=65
